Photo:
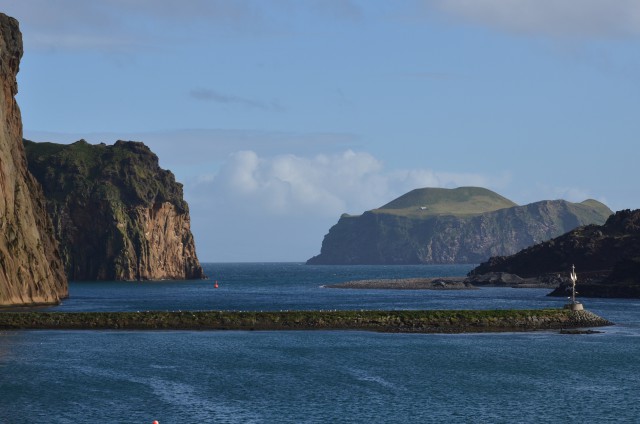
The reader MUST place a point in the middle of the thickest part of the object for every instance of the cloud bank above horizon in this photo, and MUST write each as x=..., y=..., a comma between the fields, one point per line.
x=322, y=185
x=278, y=115
x=269, y=203
x=244, y=201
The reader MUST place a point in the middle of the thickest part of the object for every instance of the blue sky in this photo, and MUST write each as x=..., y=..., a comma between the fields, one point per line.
x=280, y=115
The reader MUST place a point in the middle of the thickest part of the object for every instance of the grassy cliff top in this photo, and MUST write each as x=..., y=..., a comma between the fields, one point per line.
x=126, y=172
x=445, y=201
x=597, y=207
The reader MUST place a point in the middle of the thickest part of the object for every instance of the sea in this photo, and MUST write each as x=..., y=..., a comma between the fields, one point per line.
x=113, y=376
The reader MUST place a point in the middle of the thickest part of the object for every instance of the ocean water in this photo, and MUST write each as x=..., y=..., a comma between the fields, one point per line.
x=318, y=376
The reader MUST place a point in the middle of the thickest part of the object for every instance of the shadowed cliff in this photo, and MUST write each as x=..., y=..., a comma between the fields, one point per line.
x=31, y=271
x=116, y=213
x=463, y=225
x=607, y=258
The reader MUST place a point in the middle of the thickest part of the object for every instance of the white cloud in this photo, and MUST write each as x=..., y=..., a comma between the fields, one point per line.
x=564, y=18
x=290, y=185
x=324, y=185
x=279, y=207
x=261, y=204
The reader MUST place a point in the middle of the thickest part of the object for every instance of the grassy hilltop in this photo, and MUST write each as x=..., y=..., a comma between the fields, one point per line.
x=126, y=173
x=462, y=225
x=462, y=201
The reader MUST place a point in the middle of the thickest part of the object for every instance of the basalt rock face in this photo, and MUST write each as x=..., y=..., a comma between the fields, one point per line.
x=606, y=257
x=464, y=225
x=31, y=271
x=116, y=213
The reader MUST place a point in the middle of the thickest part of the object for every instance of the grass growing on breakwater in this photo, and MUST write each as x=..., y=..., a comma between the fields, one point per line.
x=432, y=321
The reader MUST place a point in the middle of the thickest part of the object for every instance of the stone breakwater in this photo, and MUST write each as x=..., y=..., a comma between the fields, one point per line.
x=452, y=321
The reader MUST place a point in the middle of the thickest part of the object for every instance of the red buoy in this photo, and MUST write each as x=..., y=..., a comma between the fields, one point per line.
x=156, y=422
x=215, y=286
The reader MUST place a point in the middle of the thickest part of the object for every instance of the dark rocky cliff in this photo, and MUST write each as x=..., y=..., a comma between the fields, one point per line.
x=465, y=225
x=31, y=271
x=116, y=213
x=606, y=257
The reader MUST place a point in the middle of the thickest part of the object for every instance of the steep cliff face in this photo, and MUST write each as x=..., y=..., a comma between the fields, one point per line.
x=116, y=213
x=466, y=225
x=31, y=271
x=607, y=258
x=610, y=248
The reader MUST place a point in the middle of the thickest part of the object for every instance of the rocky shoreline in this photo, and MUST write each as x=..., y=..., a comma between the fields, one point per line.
x=497, y=279
x=429, y=321
x=440, y=283
x=605, y=257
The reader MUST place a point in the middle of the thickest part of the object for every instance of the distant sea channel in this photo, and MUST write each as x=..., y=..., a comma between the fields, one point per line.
x=318, y=376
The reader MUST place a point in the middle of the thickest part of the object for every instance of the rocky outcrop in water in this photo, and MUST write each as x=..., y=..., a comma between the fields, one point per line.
x=116, y=213
x=606, y=257
x=31, y=271
x=439, y=226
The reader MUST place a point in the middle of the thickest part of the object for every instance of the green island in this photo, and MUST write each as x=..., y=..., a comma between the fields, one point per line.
x=464, y=225
x=407, y=321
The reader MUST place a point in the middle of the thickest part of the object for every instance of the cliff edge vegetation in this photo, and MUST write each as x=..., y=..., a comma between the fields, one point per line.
x=31, y=271
x=116, y=213
x=439, y=226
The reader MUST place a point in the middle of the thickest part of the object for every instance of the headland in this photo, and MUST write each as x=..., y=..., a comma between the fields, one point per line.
x=439, y=283
x=495, y=279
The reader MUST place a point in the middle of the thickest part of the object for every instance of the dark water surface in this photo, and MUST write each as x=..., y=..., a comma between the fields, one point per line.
x=318, y=376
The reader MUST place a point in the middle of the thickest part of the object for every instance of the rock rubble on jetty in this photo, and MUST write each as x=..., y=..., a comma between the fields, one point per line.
x=385, y=321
